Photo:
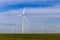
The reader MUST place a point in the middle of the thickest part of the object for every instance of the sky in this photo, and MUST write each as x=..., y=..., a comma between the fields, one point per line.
x=43, y=16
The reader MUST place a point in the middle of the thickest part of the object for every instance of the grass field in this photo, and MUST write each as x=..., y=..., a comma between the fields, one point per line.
x=29, y=36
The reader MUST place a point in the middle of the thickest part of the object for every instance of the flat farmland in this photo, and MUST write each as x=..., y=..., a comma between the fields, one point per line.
x=29, y=36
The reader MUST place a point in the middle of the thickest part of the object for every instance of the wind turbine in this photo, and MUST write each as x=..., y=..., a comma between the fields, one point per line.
x=23, y=26
x=42, y=25
x=23, y=22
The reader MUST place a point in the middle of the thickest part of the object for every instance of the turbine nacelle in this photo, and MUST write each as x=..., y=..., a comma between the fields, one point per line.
x=22, y=15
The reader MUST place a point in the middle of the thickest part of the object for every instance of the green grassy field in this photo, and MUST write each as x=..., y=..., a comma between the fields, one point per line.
x=29, y=36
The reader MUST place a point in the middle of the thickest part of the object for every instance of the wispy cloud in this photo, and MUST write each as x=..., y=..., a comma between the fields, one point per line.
x=43, y=10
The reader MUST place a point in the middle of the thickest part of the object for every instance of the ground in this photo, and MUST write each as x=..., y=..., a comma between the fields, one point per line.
x=29, y=36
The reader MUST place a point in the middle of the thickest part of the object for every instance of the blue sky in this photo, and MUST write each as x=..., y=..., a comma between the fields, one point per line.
x=42, y=14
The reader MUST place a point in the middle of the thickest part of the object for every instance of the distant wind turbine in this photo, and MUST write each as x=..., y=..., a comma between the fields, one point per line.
x=42, y=25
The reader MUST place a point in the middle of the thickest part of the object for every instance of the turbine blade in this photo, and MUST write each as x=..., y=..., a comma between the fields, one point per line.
x=26, y=18
x=26, y=24
x=23, y=11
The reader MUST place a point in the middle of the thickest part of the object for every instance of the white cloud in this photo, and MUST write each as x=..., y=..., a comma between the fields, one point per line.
x=43, y=10
x=48, y=11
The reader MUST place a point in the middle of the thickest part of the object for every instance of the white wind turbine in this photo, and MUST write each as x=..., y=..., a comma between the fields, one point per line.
x=23, y=22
